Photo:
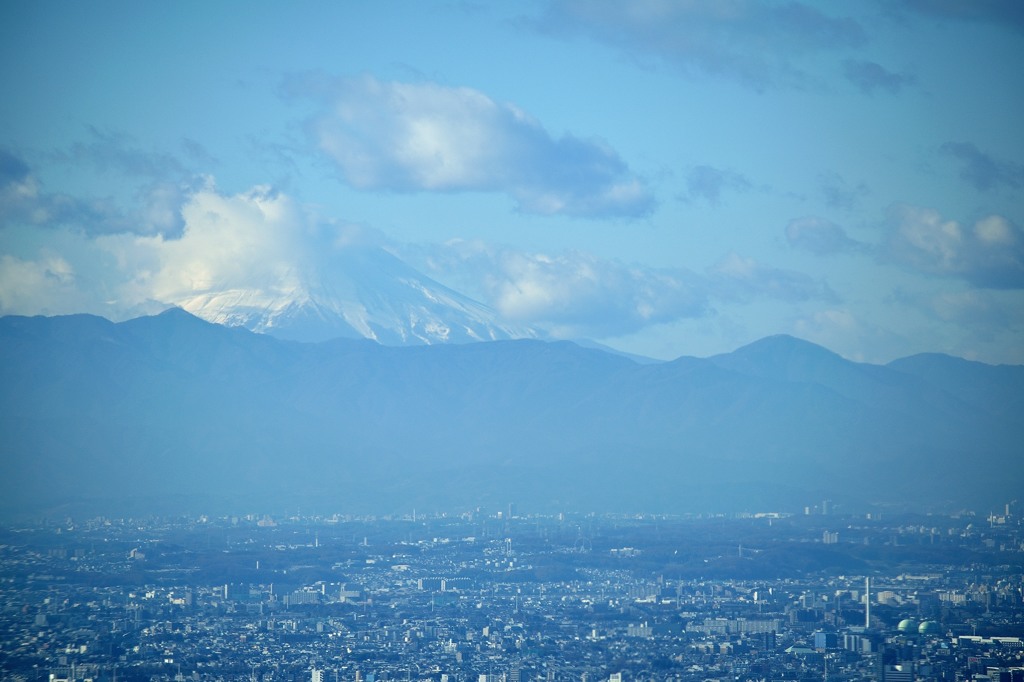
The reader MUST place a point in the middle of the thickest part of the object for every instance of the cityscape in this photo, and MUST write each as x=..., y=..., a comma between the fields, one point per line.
x=536, y=341
x=505, y=595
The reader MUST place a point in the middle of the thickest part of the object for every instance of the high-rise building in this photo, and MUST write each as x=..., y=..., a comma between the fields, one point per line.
x=867, y=602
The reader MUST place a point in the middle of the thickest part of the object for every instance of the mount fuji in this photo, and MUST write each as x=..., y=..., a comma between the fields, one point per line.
x=367, y=292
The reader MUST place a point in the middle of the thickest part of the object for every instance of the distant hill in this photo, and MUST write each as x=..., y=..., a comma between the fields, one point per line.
x=994, y=389
x=171, y=412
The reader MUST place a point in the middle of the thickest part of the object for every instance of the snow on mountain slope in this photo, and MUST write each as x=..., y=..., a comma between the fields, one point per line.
x=366, y=292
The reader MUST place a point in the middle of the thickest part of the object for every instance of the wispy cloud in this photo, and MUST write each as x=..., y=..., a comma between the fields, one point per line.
x=409, y=137
x=871, y=77
x=739, y=278
x=982, y=310
x=575, y=293
x=1000, y=12
x=13, y=169
x=983, y=316
x=572, y=293
x=155, y=206
x=115, y=152
x=821, y=236
x=983, y=171
x=989, y=253
x=755, y=42
x=840, y=194
x=708, y=183
x=23, y=201
x=849, y=334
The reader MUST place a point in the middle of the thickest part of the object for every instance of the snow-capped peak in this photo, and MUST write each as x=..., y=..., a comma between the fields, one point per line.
x=367, y=292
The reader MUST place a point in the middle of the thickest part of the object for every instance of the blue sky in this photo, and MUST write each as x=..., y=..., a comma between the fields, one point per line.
x=671, y=178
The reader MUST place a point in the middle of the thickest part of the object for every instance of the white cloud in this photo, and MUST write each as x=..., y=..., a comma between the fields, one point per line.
x=989, y=253
x=258, y=239
x=572, y=293
x=428, y=137
x=33, y=287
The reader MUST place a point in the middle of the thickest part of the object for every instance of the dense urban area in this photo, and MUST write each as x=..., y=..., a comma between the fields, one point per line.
x=508, y=596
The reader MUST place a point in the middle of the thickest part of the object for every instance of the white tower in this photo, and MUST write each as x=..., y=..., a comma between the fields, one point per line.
x=867, y=602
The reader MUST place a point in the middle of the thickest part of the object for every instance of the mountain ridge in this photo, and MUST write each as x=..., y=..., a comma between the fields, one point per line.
x=170, y=405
